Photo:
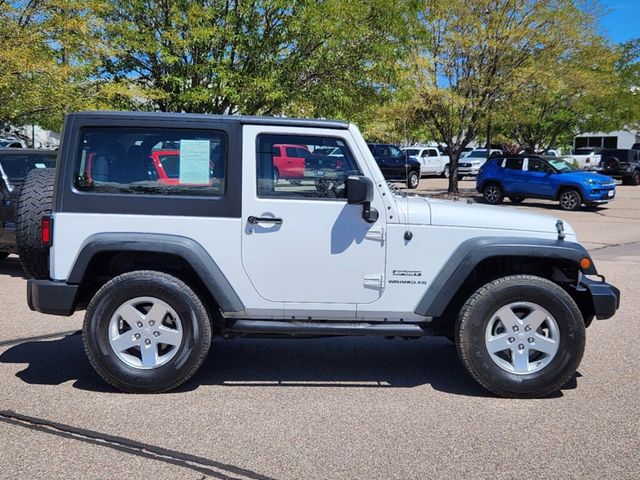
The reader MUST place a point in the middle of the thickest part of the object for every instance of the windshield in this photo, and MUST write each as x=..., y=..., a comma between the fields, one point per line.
x=16, y=167
x=561, y=165
x=477, y=154
x=412, y=152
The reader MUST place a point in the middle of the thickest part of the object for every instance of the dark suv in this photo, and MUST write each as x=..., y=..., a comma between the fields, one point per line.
x=395, y=164
x=621, y=164
x=14, y=166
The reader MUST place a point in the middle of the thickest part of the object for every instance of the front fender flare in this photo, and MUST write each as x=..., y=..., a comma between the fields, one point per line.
x=471, y=252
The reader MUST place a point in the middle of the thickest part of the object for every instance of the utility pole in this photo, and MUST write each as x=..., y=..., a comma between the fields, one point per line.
x=33, y=136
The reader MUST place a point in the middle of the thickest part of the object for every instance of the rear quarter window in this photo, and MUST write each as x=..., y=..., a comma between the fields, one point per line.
x=151, y=161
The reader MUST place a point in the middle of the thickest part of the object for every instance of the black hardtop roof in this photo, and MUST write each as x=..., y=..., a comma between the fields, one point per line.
x=241, y=119
x=29, y=151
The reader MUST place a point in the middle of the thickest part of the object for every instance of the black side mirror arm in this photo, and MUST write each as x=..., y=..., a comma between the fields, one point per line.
x=369, y=215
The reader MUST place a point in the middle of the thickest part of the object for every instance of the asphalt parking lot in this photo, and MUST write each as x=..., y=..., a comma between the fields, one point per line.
x=328, y=408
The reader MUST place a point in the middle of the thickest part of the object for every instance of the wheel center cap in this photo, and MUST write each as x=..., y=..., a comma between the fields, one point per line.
x=146, y=332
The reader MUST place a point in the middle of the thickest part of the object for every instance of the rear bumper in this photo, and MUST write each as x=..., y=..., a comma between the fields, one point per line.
x=53, y=298
x=605, y=297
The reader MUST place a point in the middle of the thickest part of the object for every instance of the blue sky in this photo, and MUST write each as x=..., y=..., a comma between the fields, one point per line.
x=622, y=22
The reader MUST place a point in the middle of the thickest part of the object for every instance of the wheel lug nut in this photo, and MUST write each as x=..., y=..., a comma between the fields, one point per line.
x=521, y=347
x=511, y=339
x=527, y=328
x=530, y=340
x=147, y=342
x=151, y=322
x=139, y=324
x=155, y=334
x=137, y=336
x=515, y=328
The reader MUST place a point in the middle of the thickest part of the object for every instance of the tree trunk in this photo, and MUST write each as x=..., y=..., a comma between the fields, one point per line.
x=453, y=170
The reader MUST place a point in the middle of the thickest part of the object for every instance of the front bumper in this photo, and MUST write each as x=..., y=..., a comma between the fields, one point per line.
x=53, y=298
x=595, y=194
x=605, y=297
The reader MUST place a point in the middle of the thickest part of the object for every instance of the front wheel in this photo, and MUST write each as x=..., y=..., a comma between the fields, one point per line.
x=635, y=178
x=146, y=331
x=445, y=171
x=3, y=255
x=570, y=200
x=413, y=180
x=521, y=336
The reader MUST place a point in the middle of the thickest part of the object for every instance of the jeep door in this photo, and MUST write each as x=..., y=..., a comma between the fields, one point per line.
x=302, y=244
x=537, y=178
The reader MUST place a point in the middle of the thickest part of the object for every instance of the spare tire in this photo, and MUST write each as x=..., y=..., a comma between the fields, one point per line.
x=610, y=165
x=34, y=202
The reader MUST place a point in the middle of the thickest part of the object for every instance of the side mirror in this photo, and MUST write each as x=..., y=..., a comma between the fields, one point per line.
x=360, y=192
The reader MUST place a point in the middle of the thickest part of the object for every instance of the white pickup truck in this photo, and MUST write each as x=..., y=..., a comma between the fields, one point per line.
x=432, y=160
x=588, y=158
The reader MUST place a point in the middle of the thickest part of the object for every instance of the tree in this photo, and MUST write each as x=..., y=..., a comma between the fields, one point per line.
x=260, y=57
x=470, y=57
x=44, y=60
x=564, y=90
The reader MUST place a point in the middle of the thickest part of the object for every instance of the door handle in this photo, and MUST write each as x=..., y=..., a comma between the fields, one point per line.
x=255, y=220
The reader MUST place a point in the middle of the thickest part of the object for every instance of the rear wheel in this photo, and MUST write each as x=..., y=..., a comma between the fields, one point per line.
x=635, y=178
x=445, y=171
x=146, y=331
x=34, y=202
x=493, y=194
x=570, y=199
x=413, y=180
x=521, y=336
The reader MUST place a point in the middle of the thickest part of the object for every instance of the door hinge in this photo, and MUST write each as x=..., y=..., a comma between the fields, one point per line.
x=375, y=234
x=373, y=281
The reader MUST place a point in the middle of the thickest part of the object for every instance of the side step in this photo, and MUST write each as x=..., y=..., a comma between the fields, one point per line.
x=327, y=328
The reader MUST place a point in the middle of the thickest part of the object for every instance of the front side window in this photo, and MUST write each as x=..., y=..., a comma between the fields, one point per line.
x=395, y=152
x=319, y=170
x=151, y=161
x=536, y=165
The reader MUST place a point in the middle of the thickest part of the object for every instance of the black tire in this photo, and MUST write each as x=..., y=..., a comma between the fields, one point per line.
x=516, y=200
x=34, y=202
x=3, y=255
x=445, y=171
x=570, y=199
x=635, y=178
x=493, y=194
x=196, y=332
x=476, y=315
x=413, y=179
x=610, y=165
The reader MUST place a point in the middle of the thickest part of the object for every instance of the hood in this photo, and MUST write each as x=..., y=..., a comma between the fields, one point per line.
x=597, y=178
x=424, y=211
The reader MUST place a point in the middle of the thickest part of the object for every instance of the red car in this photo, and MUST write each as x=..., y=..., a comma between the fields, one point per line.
x=289, y=161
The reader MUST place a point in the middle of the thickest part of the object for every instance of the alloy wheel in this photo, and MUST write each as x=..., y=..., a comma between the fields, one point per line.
x=145, y=332
x=570, y=200
x=522, y=338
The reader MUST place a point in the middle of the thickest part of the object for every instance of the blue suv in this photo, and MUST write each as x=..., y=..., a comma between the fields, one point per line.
x=535, y=176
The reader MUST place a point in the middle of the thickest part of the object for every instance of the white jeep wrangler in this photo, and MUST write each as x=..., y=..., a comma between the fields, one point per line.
x=171, y=228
